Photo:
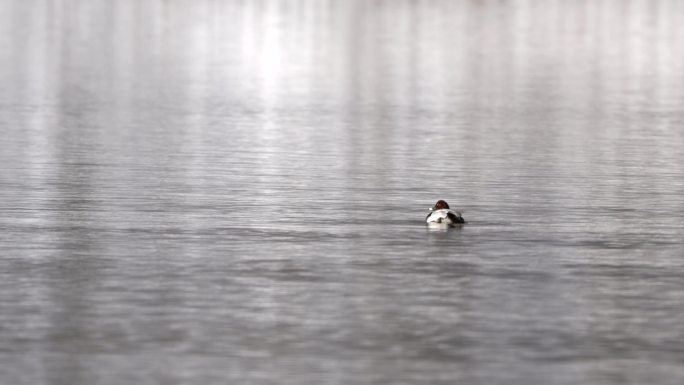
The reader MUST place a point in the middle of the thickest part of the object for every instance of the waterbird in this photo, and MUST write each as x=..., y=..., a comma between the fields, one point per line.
x=440, y=214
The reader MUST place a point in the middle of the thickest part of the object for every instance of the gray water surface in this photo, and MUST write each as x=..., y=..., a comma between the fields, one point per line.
x=233, y=192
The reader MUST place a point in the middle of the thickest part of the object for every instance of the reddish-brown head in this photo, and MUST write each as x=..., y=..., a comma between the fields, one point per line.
x=440, y=205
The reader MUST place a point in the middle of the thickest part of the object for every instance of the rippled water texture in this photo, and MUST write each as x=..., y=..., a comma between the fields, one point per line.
x=213, y=192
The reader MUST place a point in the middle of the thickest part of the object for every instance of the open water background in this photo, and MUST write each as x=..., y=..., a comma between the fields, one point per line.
x=212, y=192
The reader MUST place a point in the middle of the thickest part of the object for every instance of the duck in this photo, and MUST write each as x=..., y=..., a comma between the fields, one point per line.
x=442, y=215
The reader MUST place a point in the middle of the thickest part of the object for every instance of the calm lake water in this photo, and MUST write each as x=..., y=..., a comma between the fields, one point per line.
x=234, y=192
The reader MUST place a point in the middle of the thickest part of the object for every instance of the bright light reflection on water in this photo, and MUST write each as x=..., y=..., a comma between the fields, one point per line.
x=229, y=191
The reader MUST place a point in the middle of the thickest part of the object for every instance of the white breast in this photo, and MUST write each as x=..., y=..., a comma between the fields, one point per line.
x=444, y=217
x=438, y=216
